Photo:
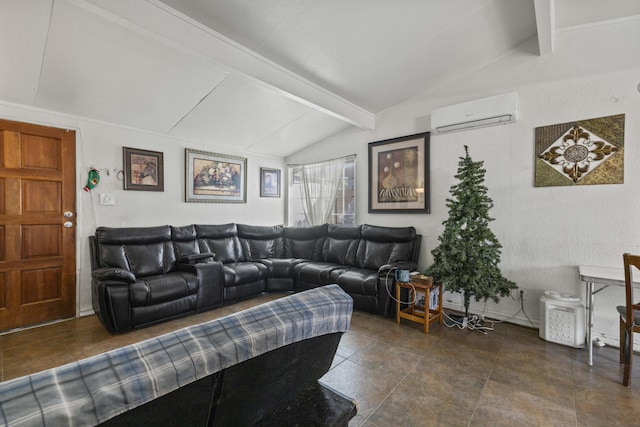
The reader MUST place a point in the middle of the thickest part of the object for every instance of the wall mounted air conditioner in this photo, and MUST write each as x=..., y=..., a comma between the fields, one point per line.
x=491, y=111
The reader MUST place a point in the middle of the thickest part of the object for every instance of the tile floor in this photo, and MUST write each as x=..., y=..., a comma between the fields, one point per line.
x=402, y=377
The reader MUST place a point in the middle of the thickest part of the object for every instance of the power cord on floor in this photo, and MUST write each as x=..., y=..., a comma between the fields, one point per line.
x=474, y=323
x=477, y=323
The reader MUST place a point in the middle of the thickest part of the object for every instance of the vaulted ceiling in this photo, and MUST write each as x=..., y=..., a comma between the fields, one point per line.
x=268, y=77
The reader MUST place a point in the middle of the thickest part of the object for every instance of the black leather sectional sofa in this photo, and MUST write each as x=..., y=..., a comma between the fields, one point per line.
x=146, y=275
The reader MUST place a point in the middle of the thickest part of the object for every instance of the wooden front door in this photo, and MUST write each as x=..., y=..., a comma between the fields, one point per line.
x=37, y=224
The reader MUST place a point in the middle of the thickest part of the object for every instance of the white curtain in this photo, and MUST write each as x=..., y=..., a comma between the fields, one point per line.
x=320, y=183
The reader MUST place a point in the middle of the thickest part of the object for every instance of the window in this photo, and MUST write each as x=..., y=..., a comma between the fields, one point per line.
x=323, y=192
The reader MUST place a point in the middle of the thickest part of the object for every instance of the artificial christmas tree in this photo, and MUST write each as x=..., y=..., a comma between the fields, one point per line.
x=467, y=258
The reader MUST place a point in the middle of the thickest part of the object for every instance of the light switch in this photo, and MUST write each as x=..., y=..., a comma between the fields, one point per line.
x=107, y=199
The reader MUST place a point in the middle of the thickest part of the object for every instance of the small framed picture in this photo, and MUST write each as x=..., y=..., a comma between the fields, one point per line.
x=143, y=170
x=269, y=182
x=215, y=178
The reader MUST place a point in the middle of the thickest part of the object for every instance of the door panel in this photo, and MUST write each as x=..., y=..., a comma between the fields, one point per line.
x=41, y=285
x=41, y=241
x=41, y=196
x=37, y=253
x=40, y=152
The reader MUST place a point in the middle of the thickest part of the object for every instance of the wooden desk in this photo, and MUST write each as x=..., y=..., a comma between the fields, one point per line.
x=423, y=315
x=604, y=277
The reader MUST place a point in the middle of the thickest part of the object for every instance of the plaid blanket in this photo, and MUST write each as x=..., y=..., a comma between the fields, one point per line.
x=98, y=388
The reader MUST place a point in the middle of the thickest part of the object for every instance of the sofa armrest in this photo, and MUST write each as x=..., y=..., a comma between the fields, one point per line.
x=111, y=273
x=386, y=281
x=210, y=280
x=110, y=301
x=202, y=258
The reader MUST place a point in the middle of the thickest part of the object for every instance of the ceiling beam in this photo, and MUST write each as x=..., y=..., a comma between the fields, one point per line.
x=166, y=24
x=546, y=23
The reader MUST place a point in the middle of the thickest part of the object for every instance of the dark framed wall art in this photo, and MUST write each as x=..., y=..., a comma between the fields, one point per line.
x=399, y=175
x=269, y=182
x=215, y=178
x=143, y=170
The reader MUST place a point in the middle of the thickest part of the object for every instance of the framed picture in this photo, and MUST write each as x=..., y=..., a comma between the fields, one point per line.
x=269, y=182
x=399, y=175
x=216, y=178
x=143, y=170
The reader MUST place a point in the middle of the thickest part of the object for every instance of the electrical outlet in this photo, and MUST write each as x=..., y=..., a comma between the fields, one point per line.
x=523, y=295
x=107, y=199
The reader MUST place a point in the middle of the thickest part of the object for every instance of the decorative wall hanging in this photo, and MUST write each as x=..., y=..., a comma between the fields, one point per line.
x=399, y=175
x=585, y=152
x=269, y=182
x=213, y=177
x=143, y=170
x=93, y=179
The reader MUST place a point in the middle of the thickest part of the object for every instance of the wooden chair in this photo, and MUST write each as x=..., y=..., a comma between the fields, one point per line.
x=629, y=317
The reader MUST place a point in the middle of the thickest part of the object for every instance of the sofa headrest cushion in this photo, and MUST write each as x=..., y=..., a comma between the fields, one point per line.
x=133, y=235
x=388, y=234
x=344, y=232
x=183, y=234
x=216, y=231
x=306, y=233
x=260, y=232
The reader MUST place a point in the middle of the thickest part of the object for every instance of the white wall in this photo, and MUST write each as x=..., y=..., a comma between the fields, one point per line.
x=545, y=232
x=100, y=145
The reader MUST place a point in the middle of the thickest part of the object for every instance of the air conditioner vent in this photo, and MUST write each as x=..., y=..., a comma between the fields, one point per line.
x=491, y=111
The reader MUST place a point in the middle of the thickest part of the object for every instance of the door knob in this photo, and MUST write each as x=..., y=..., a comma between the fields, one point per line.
x=67, y=224
x=68, y=214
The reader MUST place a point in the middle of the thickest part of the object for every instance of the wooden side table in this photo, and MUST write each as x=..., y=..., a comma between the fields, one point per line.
x=423, y=315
